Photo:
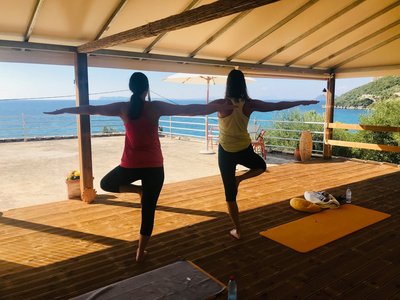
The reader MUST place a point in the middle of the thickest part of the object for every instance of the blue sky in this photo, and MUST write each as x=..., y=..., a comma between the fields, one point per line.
x=38, y=81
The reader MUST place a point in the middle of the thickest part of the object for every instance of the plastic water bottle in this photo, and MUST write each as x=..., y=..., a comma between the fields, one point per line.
x=348, y=195
x=232, y=289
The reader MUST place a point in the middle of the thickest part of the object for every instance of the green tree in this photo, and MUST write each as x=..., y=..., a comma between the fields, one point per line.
x=287, y=129
x=108, y=129
x=366, y=95
x=384, y=113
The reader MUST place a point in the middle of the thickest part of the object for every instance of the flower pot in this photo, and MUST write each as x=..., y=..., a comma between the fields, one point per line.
x=74, y=189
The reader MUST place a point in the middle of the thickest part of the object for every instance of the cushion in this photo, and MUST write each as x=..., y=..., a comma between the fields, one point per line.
x=304, y=205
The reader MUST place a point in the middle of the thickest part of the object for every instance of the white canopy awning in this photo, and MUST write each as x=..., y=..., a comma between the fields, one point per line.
x=295, y=38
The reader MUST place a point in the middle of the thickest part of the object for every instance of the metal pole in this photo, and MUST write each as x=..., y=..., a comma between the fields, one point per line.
x=170, y=127
x=24, y=126
x=206, y=123
x=329, y=110
x=207, y=151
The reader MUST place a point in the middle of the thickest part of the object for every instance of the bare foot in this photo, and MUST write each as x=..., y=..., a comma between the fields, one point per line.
x=235, y=234
x=140, y=256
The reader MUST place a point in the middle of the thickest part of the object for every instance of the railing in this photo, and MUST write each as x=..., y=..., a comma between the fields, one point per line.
x=26, y=127
x=291, y=141
x=378, y=147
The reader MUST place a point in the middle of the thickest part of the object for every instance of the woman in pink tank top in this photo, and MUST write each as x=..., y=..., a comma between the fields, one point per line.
x=142, y=157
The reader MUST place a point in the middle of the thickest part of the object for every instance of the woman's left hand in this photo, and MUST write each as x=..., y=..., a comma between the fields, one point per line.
x=54, y=112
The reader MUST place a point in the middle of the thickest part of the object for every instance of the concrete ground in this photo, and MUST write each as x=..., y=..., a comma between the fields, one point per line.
x=34, y=172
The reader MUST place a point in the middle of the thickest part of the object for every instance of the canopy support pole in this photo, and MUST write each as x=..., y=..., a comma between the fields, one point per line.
x=83, y=123
x=329, y=109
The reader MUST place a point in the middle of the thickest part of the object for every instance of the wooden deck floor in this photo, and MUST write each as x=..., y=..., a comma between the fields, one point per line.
x=63, y=249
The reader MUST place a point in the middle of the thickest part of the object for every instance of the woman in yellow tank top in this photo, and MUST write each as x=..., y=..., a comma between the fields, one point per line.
x=235, y=142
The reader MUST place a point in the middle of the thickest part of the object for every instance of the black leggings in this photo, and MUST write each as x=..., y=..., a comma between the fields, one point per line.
x=152, y=182
x=227, y=162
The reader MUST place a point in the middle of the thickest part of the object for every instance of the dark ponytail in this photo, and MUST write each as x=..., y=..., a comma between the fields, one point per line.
x=236, y=86
x=138, y=84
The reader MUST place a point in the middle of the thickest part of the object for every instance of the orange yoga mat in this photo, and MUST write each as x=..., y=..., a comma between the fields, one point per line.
x=321, y=228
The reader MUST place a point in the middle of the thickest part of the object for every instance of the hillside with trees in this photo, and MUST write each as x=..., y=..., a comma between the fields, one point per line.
x=366, y=95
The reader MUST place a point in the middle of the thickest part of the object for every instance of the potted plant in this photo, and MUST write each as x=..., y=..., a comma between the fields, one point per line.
x=73, y=185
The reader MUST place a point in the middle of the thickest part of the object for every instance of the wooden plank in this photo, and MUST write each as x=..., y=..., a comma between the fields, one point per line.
x=155, y=62
x=84, y=135
x=377, y=147
x=363, y=127
x=208, y=12
x=56, y=249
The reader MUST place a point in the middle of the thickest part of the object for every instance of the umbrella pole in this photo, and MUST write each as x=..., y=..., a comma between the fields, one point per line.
x=207, y=151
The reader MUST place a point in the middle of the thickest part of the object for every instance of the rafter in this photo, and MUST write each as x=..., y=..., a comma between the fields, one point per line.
x=220, y=32
x=366, y=51
x=272, y=29
x=312, y=30
x=115, y=13
x=270, y=69
x=33, y=19
x=188, y=18
x=343, y=33
x=359, y=42
x=160, y=36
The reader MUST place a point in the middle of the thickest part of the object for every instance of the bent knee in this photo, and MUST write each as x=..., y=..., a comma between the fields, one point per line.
x=108, y=187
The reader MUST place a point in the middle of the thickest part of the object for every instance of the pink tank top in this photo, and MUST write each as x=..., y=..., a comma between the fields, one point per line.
x=142, y=145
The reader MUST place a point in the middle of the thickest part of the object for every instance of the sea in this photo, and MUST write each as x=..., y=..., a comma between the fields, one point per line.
x=22, y=119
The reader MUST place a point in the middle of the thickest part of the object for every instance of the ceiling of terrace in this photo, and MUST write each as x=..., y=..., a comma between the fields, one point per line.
x=287, y=38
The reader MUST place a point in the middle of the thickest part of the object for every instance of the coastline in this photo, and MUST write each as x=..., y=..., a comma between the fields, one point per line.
x=350, y=107
x=34, y=172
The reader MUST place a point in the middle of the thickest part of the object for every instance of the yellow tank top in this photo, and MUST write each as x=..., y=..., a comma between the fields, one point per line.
x=233, y=134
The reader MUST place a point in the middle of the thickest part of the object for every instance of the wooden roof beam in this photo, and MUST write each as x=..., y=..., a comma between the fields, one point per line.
x=271, y=70
x=272, y=29
x=312, y=30
x=159, y=37
x=33, y=19
x=385, y=68
x=115, y=13
x=343, y=33
x=215, y=10
x=281, y=71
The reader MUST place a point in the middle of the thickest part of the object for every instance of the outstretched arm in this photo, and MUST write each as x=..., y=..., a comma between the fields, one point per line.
x=113, y=109
x=258, y=105
x=167, y=109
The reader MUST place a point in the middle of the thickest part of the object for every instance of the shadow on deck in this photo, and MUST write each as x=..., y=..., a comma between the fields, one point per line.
x=64, y=249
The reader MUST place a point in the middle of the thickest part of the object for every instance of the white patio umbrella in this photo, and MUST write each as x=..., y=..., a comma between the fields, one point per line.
x=201, y=79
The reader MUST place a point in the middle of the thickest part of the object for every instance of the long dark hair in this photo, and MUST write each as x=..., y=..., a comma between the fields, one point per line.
x=138, y=83
x=236, y=86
